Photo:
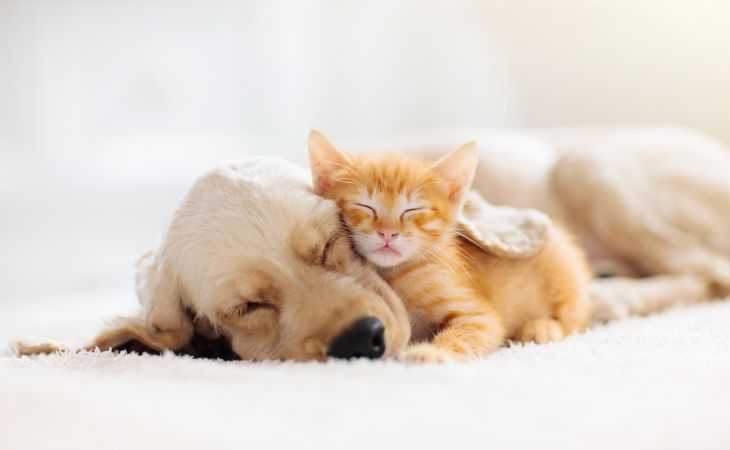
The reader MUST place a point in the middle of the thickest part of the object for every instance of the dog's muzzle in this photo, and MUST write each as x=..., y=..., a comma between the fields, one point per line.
x=364, y=339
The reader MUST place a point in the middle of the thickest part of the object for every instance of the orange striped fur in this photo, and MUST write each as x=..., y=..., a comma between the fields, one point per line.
x=468, y=302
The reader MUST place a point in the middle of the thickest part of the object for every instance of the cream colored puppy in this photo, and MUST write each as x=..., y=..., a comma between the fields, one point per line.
x=252, y=255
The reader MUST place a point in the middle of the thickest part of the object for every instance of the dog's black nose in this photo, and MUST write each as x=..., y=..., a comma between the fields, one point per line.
x=364, y=339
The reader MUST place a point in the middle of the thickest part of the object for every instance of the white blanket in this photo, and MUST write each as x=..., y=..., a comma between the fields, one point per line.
x=659, y=382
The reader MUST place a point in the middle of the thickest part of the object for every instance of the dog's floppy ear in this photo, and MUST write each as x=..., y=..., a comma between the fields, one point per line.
x=502, y=231
x=325, y=159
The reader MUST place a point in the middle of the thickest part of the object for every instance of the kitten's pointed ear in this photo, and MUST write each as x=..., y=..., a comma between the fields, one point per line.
x=456, y=170
x=324, y=160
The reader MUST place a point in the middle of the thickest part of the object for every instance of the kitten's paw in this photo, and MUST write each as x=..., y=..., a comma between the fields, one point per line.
x=540, y=331
x=425, y=354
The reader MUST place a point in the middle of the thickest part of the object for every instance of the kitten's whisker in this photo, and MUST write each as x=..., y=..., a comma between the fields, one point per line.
x=466, y=255
x=427, y=260
x=435, y=254
x=455, y=265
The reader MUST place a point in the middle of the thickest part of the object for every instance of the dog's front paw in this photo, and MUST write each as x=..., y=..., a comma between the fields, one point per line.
x=309, y=244
x=330, y=249
x=425, y=354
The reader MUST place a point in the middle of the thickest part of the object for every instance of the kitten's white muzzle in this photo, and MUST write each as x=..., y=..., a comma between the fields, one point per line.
x=384, y=254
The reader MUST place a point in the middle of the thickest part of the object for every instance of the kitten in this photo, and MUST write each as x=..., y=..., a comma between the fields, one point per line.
x=401, y=213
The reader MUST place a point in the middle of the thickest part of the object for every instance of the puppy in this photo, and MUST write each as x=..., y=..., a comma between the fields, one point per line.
x=254, y=256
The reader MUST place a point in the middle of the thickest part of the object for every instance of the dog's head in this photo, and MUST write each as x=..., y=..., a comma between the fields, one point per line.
x=265, y=261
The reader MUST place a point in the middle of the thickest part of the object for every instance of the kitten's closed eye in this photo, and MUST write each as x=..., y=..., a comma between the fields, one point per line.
x=368, y=207
x=411, y=211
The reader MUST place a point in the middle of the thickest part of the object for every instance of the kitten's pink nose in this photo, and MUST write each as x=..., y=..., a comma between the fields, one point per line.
x=387, y=235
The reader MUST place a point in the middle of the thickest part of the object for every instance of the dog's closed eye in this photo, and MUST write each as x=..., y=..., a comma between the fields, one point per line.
x=256, y=306
x=248, y=307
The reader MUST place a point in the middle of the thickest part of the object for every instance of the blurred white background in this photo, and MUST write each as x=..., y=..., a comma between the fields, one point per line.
x=108, y=109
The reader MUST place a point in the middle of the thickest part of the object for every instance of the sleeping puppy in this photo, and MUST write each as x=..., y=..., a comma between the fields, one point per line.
x=252, y=255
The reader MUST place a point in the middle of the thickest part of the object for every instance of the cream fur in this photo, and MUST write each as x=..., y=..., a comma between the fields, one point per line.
x=255, y=232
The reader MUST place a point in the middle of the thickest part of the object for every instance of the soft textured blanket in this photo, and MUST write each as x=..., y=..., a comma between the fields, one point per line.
x=658, y=382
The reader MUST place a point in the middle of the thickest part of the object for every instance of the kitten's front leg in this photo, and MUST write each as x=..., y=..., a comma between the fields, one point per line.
x=468, y=329
x=426, y=352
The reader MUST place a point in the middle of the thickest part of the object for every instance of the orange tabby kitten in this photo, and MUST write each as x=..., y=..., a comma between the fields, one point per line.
x=401, y=213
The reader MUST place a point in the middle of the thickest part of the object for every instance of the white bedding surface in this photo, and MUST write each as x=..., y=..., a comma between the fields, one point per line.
x=659, y=382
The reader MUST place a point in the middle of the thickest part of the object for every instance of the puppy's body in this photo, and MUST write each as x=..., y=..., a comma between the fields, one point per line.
x=644, y=202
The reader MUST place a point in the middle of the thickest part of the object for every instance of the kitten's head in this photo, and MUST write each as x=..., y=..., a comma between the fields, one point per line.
x=397, y=208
